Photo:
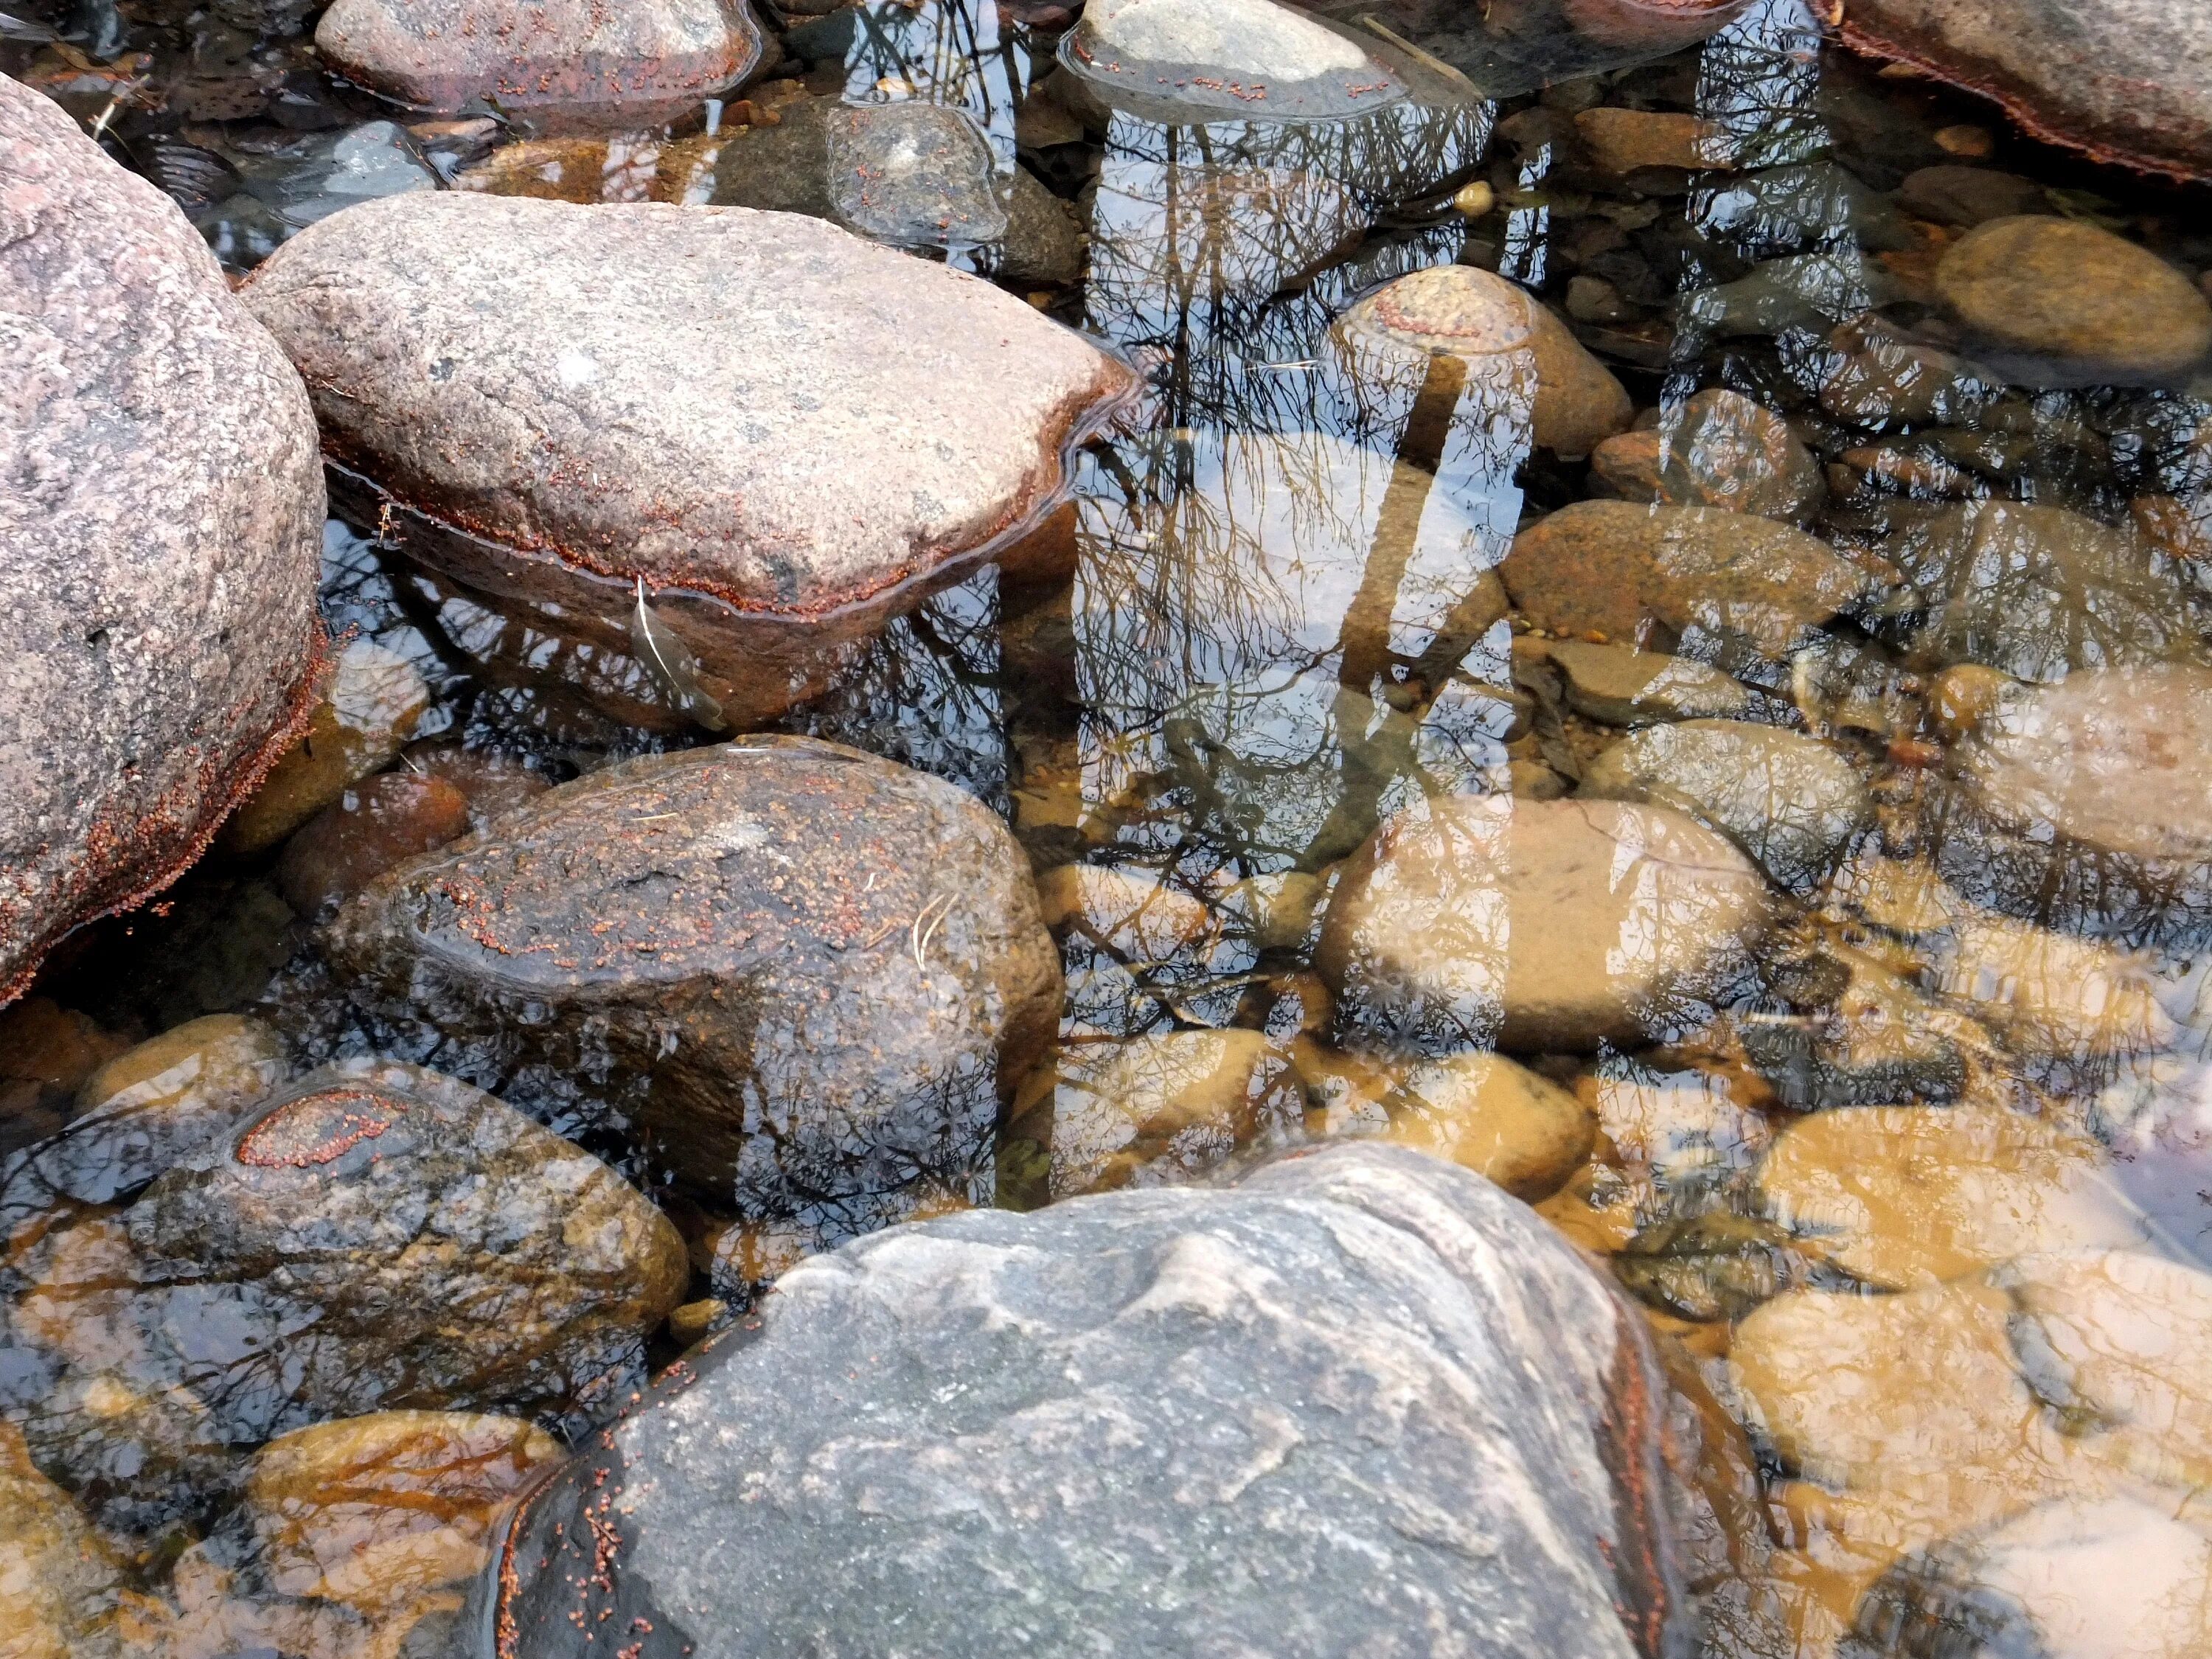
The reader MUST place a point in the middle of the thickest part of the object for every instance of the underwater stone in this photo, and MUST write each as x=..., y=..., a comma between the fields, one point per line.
x=1460, y=312
x=1141, y=1401
x=1618, y=685
x=2060, y=292
x=1251, y=58
x=1538, y=925
x=811, y=976
x=573, y=398
x=627, y=65
x=1500, y=1120
x=1719, y=449
x=162, y=536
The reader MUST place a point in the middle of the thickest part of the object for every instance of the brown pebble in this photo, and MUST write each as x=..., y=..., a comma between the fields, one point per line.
x=1967, y=143
x=372, y=826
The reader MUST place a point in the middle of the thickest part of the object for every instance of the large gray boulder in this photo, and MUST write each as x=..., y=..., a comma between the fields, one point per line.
x=812, y=977
x=2127, y=81
x=161, y=536
x=1361, y=1402
x=784, y=433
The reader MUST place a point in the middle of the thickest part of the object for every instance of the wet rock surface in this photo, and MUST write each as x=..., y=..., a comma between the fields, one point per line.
x=1538, y=925
x=1721, y=450
x=1116, y=1359
x=61, y=1583
x=568, y=58
x=613, y=475
x=1791, y=802
x=811, y=976
x=161, y=538
x=2131, y=79
x=1686, y=578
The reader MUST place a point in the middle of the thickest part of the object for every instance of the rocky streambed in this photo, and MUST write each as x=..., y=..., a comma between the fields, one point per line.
x=1150, y=827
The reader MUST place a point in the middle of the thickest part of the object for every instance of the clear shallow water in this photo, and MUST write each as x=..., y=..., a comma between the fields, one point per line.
x=1953, y=1055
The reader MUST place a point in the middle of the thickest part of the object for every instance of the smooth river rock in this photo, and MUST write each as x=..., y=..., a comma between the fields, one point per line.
x=1359, y=1402
x=2087, y=805
x=1666, y=577
x=2127, y=80
x=1248, y=59
x=161, y=538
x=1538, y=925
x=1719, y=449
x=563, y=402
x=412, y=1242
x=811, y=977
x=634, y=64
x=2059, y=291
x=1792, y=802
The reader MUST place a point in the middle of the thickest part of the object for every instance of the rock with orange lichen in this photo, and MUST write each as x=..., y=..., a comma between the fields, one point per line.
x=160, y=538
x=767, y=432
x=808, y=979
x=1359, y=1401
x=385, y=1237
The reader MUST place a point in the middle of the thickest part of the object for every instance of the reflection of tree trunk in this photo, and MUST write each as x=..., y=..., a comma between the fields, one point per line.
x=1363, y=638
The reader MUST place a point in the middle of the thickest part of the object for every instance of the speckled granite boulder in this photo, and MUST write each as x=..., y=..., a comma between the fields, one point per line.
x=161, y=534
x=1361, y=1402
x=2129, y=81
x=634, y=64
x=811, y=976
x=786, y=432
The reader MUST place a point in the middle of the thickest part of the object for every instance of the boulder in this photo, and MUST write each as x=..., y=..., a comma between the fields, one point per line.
x=483, y=362
x=2039, y=593
x=1792, y=802
x=162, y=532
x=1693, y=578
x=811, y=976
x=1248, y=59
x=1539, y=926
x=1719, y=449
x=633, y=66
x=2128, y=80
x=1360, y=1401
x=406, y=1241
x=2087, y=805
x=2060, y=292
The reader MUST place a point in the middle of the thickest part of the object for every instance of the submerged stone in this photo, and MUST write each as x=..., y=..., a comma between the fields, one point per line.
x=2128, y=81
x=1505, y=335
x=416, y=1242
x=1620, y=686
x=1671, y=577
x=62, y=1585
x=1500, y=1120
x=1793, y=803
x=2039, y=593
x=483, y=360
x=1720, y=449
x=634, y=64
x=161, y=531
x=811, y=977
x=1538, y=925
x=2059, y=291
x=1095, y=1380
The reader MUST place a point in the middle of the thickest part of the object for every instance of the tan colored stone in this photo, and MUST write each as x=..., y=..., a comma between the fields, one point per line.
x=2054, y=994
x=1654, y=576
x=1967, y=694
x=1621, y=141
x=1500, y=1120
x=1132, y=913
x=1538, y=925
x=1620, y=686
x=1490, y=324
x=1720, y=450
x=1348, y=1093
x=372, y=704
x=57, y=1047
x=1156, y=1109
x=2068, y=290
x=1902, y=1196
x=61, y=1584
x=228, y=1055
x=374, y=1510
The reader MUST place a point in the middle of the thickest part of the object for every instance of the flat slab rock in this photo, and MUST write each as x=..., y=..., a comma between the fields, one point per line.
x=788, y=427
x=2128, y=81
x=576, y=57
x=813, y=976
x=1361, y=1402
x=161, y=536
